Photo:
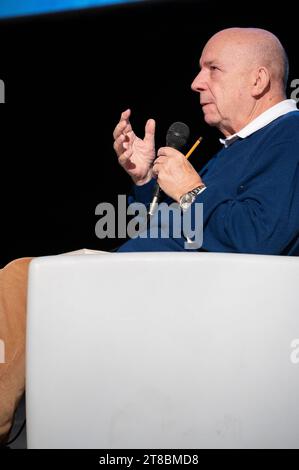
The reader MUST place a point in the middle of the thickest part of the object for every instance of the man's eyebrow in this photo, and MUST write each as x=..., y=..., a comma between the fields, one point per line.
x=208, y=62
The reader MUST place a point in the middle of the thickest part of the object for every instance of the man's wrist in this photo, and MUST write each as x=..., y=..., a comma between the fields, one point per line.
x=189, y=197
x=142, y=181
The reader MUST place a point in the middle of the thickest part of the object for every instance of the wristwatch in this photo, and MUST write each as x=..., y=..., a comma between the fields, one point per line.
x=187, y=199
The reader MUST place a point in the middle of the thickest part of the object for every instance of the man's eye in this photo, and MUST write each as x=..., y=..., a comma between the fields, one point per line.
x=213, y=67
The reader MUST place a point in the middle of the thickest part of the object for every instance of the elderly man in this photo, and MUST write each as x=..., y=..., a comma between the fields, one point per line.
x=250, y=189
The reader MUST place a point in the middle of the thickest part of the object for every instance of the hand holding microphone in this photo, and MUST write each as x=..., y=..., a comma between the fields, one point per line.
x=175, y=175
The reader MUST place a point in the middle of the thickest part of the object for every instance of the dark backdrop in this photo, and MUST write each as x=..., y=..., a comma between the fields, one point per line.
x=68, y=77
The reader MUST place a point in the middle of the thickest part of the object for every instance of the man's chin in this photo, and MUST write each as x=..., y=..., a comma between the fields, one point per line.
x=211, y=120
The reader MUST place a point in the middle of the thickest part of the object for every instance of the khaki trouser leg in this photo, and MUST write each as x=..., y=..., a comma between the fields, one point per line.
x=13, y=298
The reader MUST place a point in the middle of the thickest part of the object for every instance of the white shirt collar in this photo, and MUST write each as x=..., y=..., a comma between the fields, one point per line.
x=279, y=109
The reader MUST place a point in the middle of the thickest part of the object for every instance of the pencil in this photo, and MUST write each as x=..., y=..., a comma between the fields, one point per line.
x=194, y=147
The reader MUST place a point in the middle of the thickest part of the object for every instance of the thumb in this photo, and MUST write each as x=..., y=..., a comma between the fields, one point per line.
x=150, y=127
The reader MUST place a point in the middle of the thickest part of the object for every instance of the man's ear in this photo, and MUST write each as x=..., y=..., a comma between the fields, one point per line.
x=261, y=81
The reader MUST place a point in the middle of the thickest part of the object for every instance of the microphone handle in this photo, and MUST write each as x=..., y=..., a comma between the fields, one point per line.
x=155, y=200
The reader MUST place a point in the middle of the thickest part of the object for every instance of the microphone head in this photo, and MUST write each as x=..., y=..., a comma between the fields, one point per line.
x=177, y=135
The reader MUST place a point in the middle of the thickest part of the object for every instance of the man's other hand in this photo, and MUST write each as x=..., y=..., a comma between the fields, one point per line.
x=135, y=155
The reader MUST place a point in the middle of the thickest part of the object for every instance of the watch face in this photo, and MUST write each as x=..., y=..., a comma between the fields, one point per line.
x=186, y=200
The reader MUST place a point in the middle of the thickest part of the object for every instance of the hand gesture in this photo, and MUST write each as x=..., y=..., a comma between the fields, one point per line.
x=135, y=155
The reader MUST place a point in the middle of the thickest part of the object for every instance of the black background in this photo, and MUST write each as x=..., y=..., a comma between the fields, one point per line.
x=68, y=77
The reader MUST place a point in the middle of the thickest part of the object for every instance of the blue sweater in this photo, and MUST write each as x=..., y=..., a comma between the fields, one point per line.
x=251, y=204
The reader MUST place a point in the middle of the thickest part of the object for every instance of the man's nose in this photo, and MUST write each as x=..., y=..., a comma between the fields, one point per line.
x=198, y=83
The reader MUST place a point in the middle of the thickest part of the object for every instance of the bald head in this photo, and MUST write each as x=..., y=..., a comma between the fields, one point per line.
x=258, y=47
x=243, y=72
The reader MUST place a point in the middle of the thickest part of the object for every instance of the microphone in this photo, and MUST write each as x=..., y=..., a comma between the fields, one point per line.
x=176, y=137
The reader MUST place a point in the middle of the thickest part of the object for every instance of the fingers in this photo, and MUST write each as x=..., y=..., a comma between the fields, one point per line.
x=150, y=128
x=169, y=152
x=166, y=157
x=158, y=163
x=125, y=156
x=121, y=144
x=162, y=159
x=121, y=134
x=125, y=114
x=124, y=125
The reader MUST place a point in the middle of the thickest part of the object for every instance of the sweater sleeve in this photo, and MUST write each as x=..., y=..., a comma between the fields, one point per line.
x=142, y=193
x=261, y=215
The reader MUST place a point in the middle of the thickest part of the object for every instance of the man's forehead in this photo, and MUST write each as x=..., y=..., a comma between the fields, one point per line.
x=211, y=51
x=208, y=57
x=218, y=51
